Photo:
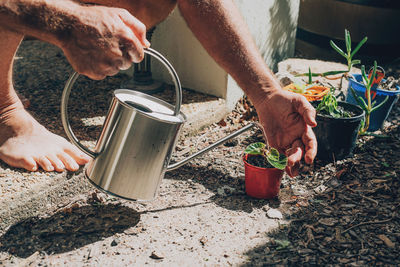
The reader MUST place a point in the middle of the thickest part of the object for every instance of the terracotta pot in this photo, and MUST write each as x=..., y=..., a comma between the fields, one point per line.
x=263, y=183
x=312, y=94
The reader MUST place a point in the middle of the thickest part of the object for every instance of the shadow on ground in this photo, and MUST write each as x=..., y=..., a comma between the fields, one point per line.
x=229, y=191
x=68, y=229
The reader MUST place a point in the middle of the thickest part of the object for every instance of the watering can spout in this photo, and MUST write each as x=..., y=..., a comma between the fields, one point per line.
x=214, y=145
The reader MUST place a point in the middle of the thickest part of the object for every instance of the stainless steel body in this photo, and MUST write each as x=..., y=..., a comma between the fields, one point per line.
x=134, y=147
x=136, y=142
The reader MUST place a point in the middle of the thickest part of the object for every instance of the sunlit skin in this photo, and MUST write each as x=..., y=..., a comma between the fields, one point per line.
x=99, y=40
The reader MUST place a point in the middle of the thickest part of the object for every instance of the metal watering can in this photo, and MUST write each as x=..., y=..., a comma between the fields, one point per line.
x=139, y=134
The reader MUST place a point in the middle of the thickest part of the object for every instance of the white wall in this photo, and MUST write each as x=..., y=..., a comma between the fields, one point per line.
x=273, y=26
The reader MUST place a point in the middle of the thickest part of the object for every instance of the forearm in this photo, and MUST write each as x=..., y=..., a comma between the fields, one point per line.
x=48, y=20
x=220, y=28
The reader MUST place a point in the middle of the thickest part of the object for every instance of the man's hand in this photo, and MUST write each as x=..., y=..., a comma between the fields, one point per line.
x=287, y=119
x=104, y=40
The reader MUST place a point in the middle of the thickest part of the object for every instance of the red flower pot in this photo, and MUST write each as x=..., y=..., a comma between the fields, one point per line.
x=261, y=183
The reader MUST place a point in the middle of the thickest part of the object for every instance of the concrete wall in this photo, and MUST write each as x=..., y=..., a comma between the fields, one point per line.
x=273, y=26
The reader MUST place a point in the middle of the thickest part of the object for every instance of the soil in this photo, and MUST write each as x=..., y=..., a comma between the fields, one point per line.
x=258, y=161
x=345, y=213
x=390, y=84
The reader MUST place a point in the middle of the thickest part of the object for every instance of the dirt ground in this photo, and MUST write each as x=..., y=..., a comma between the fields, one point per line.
x=340, y=213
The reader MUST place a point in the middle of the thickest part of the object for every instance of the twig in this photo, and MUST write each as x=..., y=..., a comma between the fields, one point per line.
x=370, y=199
x=364, y=223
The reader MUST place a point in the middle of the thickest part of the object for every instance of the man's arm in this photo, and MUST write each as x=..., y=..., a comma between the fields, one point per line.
x=98, y=41
x=286, y=117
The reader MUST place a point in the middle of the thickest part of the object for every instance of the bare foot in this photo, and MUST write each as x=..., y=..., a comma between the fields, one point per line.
x=24, y=143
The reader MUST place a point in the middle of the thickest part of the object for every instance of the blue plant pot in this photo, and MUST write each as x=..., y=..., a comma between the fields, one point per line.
x=379, y=116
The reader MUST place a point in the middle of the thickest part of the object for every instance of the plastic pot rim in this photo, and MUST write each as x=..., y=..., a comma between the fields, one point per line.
x=244, y=157
x=354, y=118
x=378, y=90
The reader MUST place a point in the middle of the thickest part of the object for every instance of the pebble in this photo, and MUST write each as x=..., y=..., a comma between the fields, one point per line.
x=115, y=242
x=156, y=256
x=274, y=214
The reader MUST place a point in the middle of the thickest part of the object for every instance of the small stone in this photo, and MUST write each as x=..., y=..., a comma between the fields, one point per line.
x=274, y=214
x=156, y=256
x=115, y=242
x=203, y=240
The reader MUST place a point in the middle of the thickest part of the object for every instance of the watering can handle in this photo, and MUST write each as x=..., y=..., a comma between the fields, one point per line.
x=75, y=75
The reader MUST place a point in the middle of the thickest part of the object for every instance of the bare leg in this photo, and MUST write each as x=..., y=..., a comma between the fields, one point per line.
x=24, y=143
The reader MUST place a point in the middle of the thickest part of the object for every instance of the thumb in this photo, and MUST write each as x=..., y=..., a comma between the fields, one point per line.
x=306, y=110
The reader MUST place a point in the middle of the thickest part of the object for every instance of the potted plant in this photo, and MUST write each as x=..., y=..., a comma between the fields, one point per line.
x=376, y=101
x=311, y=91
x=264, y=168
x=364, y=91
x=337, y=127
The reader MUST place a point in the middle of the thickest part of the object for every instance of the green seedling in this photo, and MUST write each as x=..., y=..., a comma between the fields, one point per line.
x=270, y=154
x=349, y=54
x=368, y=106
x=329, y=106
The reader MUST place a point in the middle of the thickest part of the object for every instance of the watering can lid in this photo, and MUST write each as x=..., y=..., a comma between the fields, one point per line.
x=149, y=105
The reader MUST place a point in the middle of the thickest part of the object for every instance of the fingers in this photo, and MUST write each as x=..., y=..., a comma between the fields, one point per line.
x=306, y=146
x=294, y=155
x=306, y=110
x=310, y=143
x=137, y=27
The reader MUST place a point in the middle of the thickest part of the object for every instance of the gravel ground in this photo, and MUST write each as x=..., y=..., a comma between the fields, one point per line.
x=341, y=213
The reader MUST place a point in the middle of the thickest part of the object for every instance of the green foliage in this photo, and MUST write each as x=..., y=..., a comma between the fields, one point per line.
x=272, y=155
x=255, y=149
x=277, y=160
x=329, y=106
x=368, y=106
x=348, y=55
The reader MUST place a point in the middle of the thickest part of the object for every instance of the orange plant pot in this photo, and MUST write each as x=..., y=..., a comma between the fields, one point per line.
x=314, y=93
x=262, y=183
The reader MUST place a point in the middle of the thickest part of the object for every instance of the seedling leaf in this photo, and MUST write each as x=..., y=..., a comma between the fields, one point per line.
x=371, y=79
x=340, y=51
x=277, y=160
x=380, y=104
x=255, y=149
x=348, y=40
x=359, y=46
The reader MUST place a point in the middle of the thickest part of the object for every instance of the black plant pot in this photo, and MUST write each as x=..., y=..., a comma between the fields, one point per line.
x=337, y=137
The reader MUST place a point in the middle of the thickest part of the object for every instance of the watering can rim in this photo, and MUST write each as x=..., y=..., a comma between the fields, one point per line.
x=161, y=116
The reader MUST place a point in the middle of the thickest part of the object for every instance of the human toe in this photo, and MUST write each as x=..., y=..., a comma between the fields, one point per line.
x=69, y=163
x=77, y=155
x=44, y=163
x=56, y=162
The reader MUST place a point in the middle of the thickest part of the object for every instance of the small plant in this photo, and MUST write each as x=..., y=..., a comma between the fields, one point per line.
x=349, y=54
x=270, y=154
x=329, y=106
x=370, y=106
